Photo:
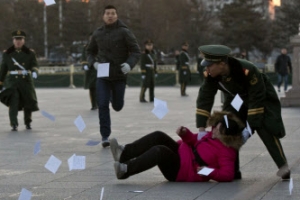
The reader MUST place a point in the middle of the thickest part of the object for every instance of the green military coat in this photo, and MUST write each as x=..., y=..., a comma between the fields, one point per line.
x=261, y=106
x=21, y=83
x=90, y=76
x=184, y=67
x=148, y=67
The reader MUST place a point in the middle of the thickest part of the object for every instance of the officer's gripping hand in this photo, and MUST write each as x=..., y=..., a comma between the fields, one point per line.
x=85, y=67
x=34, y=75
x=125, y=68
x=181, y=131
x=96, y=65
x=143, y=77
x=246, y=135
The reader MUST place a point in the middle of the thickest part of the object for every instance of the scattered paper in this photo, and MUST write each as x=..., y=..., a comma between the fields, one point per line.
x=92, y=143
x=49, y=2
x=102, y=192
x=205, y=171
x=291, y=186
x=201, y=134
x=49, y=116
x=53, y=164
x=37, y=148
x=249, y=128
x=76, y=162
x=160, y=108
x=136, y=191
x=226, y=121
x=25, y=194
x=103, y=70
x=79, y=123
x=237, y=102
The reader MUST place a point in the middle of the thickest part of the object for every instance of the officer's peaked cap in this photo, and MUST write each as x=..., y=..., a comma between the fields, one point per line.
x=214, y=54
x=18, y=34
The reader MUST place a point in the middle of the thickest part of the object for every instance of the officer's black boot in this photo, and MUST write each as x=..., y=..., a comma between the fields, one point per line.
x=28, y=127
x=237, y=172
x=14, y=128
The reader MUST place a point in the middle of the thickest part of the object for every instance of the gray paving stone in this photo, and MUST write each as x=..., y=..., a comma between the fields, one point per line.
x=19, y=168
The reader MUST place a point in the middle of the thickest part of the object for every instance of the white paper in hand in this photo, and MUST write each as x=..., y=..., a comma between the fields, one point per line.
x=49, y=2
x=249, y=128
x=103, y=70
x=79, y=123
x=237, y=102
x=25, y=194
x=291, y=186
x=205, y=171
x=160, y=108
x=53, y=164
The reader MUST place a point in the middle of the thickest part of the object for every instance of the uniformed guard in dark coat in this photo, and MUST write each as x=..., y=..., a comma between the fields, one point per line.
x=148, y=70
x=90, y=77
x=18, y=67
x=261, y=107
x=184, y=68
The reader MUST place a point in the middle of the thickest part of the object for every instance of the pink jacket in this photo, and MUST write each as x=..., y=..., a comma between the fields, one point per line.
x=214, y=153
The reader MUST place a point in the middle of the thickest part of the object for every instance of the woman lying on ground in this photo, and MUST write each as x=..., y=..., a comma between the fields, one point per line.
x=181, y=160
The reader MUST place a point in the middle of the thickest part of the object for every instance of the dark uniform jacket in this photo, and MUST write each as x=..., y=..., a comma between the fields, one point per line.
x=184, y=67
x=283, y=64
x=261, y=106
x=21, y=83
x=148, y=64
x=114, y=44
x=90, y=75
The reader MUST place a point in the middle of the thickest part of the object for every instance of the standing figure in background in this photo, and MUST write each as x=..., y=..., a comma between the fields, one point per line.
x=283, y=67
x=115, y=45
x=20, y=64
x=148, y=70
x=90, y=77
x=184, y=68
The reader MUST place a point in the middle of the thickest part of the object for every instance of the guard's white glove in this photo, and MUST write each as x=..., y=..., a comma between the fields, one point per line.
x=201, y=134
x=34, y=75
x=125, y=68
x=246, y=135
x=96, y=65
x=85, y=67
x=143, y=76
x=24, y=72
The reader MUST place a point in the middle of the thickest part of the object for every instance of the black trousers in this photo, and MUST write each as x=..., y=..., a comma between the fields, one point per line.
x=156, y=148
x=93, y=97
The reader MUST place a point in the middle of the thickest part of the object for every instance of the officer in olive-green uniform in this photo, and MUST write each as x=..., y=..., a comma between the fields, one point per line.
x=148, y=70
x=184, y=68
x=19, y=66
x=261, y=107
x=90, y=77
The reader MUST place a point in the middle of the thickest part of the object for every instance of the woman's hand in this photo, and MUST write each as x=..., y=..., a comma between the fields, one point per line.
x=181, y=131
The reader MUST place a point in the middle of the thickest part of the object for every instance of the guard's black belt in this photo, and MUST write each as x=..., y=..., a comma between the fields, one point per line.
x=198, y=159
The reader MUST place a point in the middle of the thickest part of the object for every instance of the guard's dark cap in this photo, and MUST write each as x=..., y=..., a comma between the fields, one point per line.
x=214, y=54
x=148, y=42
x=18, y=34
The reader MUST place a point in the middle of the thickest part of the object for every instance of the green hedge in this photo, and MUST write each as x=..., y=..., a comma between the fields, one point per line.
x=133, y=79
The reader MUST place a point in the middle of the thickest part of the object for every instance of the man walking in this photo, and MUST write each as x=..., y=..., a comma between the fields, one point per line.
x=20, y=63
x=283, y=67
x=115, y=44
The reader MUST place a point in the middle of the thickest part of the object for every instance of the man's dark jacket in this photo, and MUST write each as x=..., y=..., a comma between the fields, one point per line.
x=114, y=44
x=283, y=62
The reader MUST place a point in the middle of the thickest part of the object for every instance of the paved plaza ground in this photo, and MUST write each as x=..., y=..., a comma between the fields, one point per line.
x=20, y=168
